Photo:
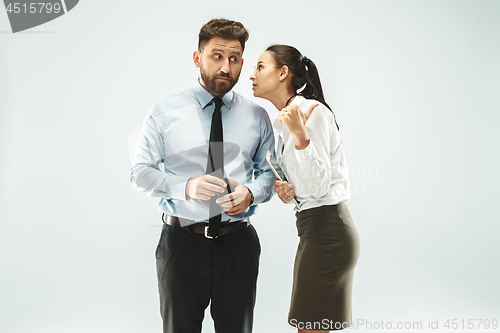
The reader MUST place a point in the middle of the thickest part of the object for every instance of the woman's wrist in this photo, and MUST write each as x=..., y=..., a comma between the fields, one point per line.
x=301, y=140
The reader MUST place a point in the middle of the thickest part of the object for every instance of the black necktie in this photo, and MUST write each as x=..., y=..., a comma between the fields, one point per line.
x=215, y=165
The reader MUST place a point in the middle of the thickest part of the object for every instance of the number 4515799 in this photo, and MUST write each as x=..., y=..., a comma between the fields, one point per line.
x=454, y=324
x=33, y=8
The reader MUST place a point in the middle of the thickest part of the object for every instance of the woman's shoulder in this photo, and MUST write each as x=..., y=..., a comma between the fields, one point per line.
x=321, y=112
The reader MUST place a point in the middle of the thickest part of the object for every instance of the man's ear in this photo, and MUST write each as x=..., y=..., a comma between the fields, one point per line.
x=196, y=59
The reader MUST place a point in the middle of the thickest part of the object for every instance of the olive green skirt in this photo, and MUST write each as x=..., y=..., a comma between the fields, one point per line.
x=324, y=267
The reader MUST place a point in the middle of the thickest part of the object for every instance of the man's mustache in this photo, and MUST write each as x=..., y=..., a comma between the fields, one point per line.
x=224, y=75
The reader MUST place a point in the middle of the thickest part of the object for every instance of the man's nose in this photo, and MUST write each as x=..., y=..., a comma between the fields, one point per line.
x=225, y=67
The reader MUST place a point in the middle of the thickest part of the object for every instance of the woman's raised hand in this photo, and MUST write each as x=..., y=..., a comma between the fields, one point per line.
x=294, y=119
x=295, y=122
x=307, y=114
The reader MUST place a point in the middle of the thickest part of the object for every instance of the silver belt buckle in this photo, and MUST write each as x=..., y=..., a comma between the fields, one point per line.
x=206, y=233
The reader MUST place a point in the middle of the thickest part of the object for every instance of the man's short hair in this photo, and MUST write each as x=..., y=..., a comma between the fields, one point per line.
x=227, y=29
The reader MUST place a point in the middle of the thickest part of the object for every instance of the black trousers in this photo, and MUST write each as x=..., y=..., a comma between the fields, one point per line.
x=194, y=270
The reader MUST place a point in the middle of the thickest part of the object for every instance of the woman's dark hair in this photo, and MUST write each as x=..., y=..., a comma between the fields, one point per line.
x=303, y=70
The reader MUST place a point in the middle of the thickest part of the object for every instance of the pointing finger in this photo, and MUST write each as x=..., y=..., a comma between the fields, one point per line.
x=309, y=111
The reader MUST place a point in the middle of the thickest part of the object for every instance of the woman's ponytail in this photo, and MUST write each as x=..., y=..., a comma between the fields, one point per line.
x=303, y=70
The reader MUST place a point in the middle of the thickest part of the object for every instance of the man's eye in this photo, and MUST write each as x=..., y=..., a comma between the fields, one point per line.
x=217, y=56
x=234, y=59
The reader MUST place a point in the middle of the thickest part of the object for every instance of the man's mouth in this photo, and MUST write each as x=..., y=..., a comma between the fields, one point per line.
x=223, y=78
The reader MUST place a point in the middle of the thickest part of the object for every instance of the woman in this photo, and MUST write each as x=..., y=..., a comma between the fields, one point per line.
x=312, y=156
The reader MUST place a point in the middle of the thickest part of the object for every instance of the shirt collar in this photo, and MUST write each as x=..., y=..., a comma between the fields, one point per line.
x=278, y=127
x=297, y=100
x=205, y=97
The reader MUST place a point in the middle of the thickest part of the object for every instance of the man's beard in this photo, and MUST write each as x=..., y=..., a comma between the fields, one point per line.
x=217, y=86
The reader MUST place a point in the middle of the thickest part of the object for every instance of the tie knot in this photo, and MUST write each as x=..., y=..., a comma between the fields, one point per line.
x=218, y=102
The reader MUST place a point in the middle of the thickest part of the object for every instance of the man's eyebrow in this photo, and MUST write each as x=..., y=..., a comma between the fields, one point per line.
x=222, y=50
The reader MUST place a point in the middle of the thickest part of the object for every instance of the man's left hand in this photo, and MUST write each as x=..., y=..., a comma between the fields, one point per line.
x=236, y=202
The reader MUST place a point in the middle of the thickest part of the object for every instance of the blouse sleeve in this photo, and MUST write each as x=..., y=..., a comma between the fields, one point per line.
x=314, y=160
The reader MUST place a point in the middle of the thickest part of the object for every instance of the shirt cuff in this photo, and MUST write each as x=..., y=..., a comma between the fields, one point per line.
x=257, y=192
x=306, y=155
x=252, y=198
x=177, y=186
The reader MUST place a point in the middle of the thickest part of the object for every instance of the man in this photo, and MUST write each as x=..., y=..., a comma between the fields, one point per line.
x=211, y=141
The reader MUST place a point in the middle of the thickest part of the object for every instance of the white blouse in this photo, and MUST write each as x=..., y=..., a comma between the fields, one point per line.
x=318, y=173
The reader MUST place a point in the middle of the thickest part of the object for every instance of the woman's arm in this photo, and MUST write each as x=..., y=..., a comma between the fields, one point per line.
x=312, y=147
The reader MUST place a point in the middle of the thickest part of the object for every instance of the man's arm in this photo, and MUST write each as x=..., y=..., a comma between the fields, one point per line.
x=146, y=175
x=262, y=185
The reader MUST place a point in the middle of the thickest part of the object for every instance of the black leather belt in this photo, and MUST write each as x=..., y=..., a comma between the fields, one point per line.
x=226, y=228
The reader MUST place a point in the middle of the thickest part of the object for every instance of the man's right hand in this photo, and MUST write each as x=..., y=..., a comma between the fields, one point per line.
x=204, y=187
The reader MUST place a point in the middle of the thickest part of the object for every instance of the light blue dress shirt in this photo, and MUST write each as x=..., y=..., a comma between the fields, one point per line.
x=176, y=133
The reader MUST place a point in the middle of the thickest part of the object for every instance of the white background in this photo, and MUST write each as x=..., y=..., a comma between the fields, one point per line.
x=414, y=86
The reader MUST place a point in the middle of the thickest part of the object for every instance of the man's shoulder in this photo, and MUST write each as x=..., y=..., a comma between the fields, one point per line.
x=249, y=105
x=174, y=101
